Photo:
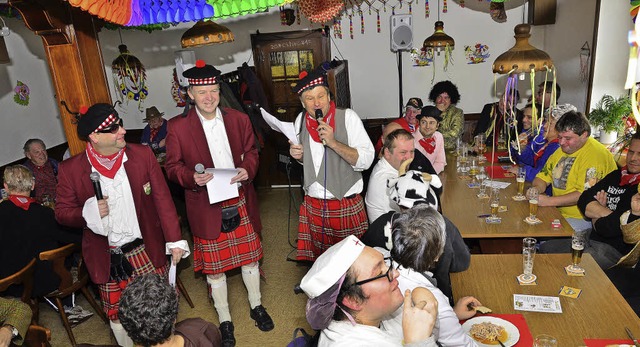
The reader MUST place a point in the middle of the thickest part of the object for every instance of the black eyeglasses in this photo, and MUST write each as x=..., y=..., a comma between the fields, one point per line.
x=388, y=274
x=113, y=128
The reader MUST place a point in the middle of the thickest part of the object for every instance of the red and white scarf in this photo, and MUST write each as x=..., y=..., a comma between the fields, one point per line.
x=429, y=144
x=312, y=123
x=107, y=165
x=21, y=201
x=628, y=178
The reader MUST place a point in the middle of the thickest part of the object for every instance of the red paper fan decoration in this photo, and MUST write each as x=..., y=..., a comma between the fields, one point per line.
x=320, y=11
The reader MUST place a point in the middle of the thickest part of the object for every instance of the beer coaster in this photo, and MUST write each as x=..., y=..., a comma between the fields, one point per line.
x=571, y=272
x=473, y=185
x=569, y=292
x=523, y=282
x=483, y=196
x=519, y=198
x=502, y=209
x=492, y=220
x=530, y=221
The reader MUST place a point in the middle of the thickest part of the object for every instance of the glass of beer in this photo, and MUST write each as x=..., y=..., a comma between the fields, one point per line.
x=578, y=243
x=481, y=146
x=520, y=182
x=473, y=167
x=495, y=202
x=532, y=195
x=528, y=255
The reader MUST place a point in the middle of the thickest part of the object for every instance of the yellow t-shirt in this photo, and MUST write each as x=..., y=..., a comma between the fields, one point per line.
x=576, y=172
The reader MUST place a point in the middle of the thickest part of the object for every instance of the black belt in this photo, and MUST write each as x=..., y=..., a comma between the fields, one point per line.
x=128, y=247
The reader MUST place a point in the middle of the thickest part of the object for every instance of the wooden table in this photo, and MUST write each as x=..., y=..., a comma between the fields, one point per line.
x=462, y=206
x=599, y=312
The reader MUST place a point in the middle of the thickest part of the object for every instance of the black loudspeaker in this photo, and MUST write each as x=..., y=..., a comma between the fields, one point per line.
x=401, y=32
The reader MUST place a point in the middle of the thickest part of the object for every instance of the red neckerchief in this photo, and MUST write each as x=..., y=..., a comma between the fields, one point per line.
x=312, y=123
x=21, y=201
x=107, y=165
x=628, y=178
x=429, y=144
x=152, y=133
x=540, y=152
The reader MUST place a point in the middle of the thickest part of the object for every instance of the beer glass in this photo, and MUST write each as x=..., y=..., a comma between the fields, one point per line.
x=473, y=167
x=520, y=182
x=479, y=141
x=578, y=243
x=528, y=255
x=495, y=202
x=532, y=195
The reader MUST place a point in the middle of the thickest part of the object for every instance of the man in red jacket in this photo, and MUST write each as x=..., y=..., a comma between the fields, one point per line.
x=225, y=234
x=129, y=231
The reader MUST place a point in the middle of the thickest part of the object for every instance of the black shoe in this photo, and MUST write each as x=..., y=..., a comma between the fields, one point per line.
x=226, y=330
x=262, y=318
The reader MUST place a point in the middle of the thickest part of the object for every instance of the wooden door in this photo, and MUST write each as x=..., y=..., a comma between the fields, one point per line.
x=279, y=58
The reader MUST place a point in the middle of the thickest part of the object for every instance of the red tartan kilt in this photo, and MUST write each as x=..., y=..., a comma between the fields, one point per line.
x=230, y=250
x=110, y=292
x=341, y=218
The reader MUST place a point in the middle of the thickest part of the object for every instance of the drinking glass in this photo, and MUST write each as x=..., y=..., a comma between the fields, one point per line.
x=479, y=141
x=463, y=152
x=528, y=255
x=545, y=341
x=578, y=242
x=473, y=168
x=532, y=195
x=495, y=202
x=520, y=182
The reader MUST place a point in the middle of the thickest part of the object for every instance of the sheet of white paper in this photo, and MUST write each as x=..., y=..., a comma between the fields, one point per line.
x=220, y=187
x=537, y=303
x=286, y=128
x=496, y=184
x=172, y=274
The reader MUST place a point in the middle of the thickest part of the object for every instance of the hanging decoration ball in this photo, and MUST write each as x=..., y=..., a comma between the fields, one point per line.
x=320, y=11
x=130, y=76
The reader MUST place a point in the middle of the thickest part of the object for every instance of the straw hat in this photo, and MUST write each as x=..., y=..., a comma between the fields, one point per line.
x=630, y=235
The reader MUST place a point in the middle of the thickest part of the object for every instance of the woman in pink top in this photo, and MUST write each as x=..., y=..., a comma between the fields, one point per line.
x=428, y=140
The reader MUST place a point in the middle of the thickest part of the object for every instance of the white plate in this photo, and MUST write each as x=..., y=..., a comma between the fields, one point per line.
x=513, y=335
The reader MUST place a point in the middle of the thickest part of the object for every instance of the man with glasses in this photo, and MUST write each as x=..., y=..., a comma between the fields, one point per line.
x=352, y=288
x=130, y=231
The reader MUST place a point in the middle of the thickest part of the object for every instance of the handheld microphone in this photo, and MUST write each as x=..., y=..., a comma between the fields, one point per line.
x=319, y=115
x=199, y=168
x=95, y=180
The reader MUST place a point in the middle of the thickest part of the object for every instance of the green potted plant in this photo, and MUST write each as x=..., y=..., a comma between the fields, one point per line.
x=609, y=115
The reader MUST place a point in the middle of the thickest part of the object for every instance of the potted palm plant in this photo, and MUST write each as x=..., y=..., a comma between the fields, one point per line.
x=609, y=115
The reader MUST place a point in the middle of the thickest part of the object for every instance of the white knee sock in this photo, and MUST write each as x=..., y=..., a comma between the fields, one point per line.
x=219, y=296
x=121, y=335
x=251, y=279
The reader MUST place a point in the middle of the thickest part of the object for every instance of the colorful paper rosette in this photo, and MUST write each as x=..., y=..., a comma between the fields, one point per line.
x=635, y=6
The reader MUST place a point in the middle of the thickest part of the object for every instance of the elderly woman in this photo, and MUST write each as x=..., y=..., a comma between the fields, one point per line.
x=28, y=228
x=351, y=289
x=418, y=241
x=535, y=154
x=445, y=95
x=148, y=311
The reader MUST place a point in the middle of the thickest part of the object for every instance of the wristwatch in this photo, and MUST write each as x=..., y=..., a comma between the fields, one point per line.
x=14, y=331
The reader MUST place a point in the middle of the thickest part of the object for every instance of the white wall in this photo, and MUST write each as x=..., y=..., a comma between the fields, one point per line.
x=41, y=117
x=612, y=54
x=373, y=71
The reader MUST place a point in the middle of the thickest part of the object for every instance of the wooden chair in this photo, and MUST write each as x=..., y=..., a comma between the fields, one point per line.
x=37, y=336
x=24, y=277
x=69, y=285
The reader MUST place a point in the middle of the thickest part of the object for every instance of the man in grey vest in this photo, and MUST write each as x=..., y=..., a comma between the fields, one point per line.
x=336, y=150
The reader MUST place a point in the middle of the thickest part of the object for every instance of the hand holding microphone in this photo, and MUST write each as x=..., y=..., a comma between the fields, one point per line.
x=103, y=207
x=201, y=177
x=319, y=116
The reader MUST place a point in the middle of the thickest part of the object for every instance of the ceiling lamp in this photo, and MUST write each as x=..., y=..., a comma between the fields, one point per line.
x=206, y=33
x=439, y=41
x=522, y=57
